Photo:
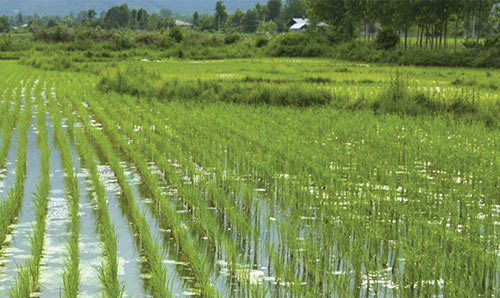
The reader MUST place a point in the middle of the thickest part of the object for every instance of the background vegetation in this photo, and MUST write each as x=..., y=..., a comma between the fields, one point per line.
x=445, y=32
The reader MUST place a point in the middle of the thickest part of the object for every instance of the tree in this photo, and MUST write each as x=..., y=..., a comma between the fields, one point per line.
x=51, y=23
x=236, y=19
x=220, y=14
x=196, y=19
x=19, y=19
x=250, y=21
x=91, y=14
x=293, y=9
x=207, y=22
x=336, y=13
x=268, y=28
x=176, y=34
x=165, y=13
x=142, y=19
x=261, y=11
x=117, y=17
x=273, y=9
x=4, y=24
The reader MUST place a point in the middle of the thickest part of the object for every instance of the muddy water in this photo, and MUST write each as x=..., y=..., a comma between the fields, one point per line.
x=18, y=247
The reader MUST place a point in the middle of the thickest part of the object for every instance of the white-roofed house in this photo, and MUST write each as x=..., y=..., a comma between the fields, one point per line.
x=301, y=24
x=182, y=23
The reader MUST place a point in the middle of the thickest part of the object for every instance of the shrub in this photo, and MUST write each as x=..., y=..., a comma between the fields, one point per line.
x=176, y=34
x=122, y=40
x=261, y=41
x=295, y=44
x=387, y=39
x=231, y=38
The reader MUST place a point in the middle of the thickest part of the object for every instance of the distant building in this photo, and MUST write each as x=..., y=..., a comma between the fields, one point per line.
x=301, y=24
x=182, y=23
x=22, y=26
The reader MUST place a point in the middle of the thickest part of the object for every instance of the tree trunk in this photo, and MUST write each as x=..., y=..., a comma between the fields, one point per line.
x=446, y=34
x=467, y=32
x=418, y=35
x=441, y=37
x=456, y=34
x=432, y=37
x=478, y=33
x=421, y=36
x=406, y=39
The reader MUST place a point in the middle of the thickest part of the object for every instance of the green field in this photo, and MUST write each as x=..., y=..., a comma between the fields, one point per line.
x=249, y=178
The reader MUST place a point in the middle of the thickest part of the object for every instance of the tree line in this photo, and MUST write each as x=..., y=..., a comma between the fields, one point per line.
x=430, y=23
x=269, y=17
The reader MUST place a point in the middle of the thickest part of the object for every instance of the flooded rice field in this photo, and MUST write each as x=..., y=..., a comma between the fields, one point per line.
x=112, y=195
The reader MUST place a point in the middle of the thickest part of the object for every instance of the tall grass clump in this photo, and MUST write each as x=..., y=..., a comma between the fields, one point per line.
x=400, y=99
x=139, y=81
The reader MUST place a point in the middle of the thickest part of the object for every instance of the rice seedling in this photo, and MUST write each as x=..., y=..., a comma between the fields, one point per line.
x=389, y=189
x=27, y=282
x=237, y=221
x=169, y=215
x=9, y=208
x=149, y=247
x=108, y=272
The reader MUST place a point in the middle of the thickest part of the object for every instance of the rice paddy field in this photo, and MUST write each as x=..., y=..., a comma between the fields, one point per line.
x=119, y=195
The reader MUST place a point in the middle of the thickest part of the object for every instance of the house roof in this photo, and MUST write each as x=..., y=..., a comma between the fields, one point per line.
x=301, y=23
x=298, y=26
x=182, y=23
x=300, y=20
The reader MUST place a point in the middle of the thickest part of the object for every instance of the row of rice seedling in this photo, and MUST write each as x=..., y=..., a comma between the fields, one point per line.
x=71, y=275
x=108, y=271
x=27, y=282
x=18, y=245
x=9, y=124
x=153, y=253
x=332, y=202
x=231, y=180
x=189, y=192
x=158, y=127
x=309, y=166
x=289, y=241
x=169, y=216
x=134, y=274
x=238, y=219
x=9, y=207
x=354, y=171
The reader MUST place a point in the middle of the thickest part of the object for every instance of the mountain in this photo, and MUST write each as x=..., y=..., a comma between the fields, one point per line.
x=63, y=7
